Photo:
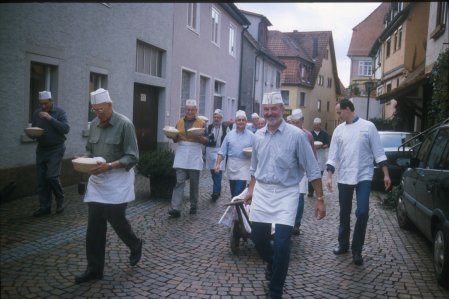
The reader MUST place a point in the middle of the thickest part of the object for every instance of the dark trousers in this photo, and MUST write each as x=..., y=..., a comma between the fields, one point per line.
x=276, y=255
x=216, y=179
x=310, y=186
x=237, y=187
x=345, y=194
x=99, y=215
x=48, y=168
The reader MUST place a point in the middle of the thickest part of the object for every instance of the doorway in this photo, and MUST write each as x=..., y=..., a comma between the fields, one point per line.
x=146, y=99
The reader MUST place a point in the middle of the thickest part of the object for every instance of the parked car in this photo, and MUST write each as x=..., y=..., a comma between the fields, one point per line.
x=398, y=158
x=424, y=201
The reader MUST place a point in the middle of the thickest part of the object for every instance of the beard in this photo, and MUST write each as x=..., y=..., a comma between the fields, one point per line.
x=273, y=120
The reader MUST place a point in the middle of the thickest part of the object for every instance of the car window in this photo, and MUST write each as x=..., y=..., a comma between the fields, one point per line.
x=395, y=140
x=425, y=148
x=439, y=153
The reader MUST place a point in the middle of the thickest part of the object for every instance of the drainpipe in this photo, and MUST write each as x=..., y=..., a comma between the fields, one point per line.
x=254, y=79
x=239, y=101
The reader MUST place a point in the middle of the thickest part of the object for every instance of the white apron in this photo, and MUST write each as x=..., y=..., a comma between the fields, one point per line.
x=321, y=156
x=211, y=158
x=238, y=169
x=304, y=185
x=274, y=204
x=113, y=187
x=189, y=155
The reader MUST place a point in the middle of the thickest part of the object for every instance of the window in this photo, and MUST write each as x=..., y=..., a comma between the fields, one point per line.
x=42, y=77
x=329, y=82
x=318, y=105
x=192, y=18
x=232, y=40
x=187, y=88
x=399, y=38
x=278, y=79
x=218, y=95
x=302, y=99
x=439, y=154
x=148, y=59
x=326, y=54
x=365, y=68
x=204, y=87
x=320, y=80
x=327, y=106
x=285, y=94
x=441, y=20
x=395, y=44
x=215, y=27
x=95, y=81
x=302, y=71
x=387, y=46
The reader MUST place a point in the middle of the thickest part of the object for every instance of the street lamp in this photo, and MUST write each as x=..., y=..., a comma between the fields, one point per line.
x=369, y=86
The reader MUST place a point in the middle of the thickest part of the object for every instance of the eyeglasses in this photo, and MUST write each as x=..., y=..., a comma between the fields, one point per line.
x=98, y=110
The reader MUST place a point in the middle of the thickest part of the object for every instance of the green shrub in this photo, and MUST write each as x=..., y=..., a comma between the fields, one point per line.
x=158, y=163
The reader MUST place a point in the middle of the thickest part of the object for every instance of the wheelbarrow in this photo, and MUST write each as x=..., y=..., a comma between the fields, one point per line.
x=240, y=226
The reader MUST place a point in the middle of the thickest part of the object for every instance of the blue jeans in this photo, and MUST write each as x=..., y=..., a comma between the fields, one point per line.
x=237, y=187
x=277, y=255
x=216, y=179
x=300, y=210
x=362, y=191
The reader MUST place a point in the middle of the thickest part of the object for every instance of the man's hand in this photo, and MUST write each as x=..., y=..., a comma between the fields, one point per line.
x=248, y=197
x=45, y=115
x=320, y=209
x=329, y=183
x=101, y=168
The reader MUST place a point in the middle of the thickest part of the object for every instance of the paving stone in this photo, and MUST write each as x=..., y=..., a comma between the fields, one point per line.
x=190, y=257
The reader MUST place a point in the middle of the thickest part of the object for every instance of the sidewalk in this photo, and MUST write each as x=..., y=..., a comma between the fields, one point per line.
x=190, y=257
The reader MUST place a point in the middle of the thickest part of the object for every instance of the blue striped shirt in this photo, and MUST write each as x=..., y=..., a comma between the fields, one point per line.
x=235, y=142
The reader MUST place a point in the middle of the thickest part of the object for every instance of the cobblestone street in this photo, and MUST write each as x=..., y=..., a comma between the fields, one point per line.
x=190, y=257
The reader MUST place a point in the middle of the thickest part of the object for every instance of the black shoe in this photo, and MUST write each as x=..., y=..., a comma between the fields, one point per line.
x=296, y=231
x=41, y=212
x=88, y=275
x=269, y=272
x=214, y=197
x=192, y=211
x=174, y=214
x=339, y=250
x=60, y=208
x=135, y=256
x=310, y=195
x=357, y=258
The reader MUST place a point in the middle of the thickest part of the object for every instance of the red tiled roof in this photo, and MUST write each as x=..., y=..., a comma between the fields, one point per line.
x=367, y=31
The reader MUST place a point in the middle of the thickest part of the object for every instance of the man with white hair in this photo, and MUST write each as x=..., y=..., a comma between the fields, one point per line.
x=237, y=163
x=111, y=185
x=188, y=159
x=322, y=136
x=297, y=119
x=216, y=132
x=49, y=153
x=254, y=121
x=280, y=157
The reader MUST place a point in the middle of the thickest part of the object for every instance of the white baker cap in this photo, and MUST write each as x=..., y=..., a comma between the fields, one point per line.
x=240, y=113
x=272, y=98
x=317, y=120
x=44, y=95
x=99, y=96
x=289, y=118
x=218, y=111
x=191, y=103
x=297, y=114
x=254, y=115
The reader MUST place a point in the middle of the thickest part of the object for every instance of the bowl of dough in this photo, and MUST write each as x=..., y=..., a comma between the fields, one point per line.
x=84, y=164
x=318, y=144
x=34, y=132
x=203, y=118
x=248, y=151
x=170, y=132
x=195, y=131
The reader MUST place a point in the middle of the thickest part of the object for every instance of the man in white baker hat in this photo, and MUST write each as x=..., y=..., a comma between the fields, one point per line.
x=297, y=119
x=253, y=124
x=111, y=184
x=49, y=153
x=322, y=136
x=188, y=159
x=281, y=155
x=216, y=132
x=237, y=163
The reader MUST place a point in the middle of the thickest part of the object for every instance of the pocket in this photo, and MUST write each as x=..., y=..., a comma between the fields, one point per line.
x=285, y=160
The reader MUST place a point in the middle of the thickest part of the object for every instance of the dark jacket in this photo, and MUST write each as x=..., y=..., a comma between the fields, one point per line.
x=211, y=142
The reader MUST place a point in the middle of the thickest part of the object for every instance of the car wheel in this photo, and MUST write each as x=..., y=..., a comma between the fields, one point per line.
x=401, y=215
x=441, y=256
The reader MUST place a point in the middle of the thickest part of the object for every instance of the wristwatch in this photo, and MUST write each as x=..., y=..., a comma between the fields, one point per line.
x=110, y=166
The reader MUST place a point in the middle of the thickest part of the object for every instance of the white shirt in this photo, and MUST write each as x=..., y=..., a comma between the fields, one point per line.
x=353, y=148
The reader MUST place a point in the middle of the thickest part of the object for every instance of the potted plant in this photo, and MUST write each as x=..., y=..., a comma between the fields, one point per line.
x=158, y=167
